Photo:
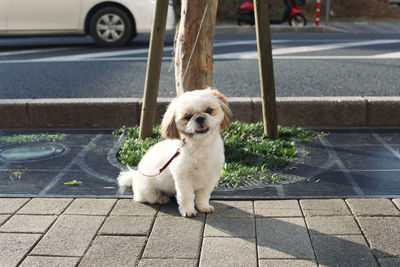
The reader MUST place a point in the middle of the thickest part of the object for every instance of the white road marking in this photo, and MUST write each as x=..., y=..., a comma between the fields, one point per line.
x=278, y=53
x=388, y=55
x=312, y=48
x=95, y=55
x=24, y=52
x=132, y=52
x=247, y=42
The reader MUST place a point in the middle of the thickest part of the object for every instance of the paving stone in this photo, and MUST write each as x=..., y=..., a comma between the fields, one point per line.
x=28, y=223
x=277, y=208
x=229, y=227
x=287, y=263
x=232, y=209
x=3, y=218
x=70, y=235
x=283, y=238
x=13, y=247
x=372, y=207
x=175, y=237
x=45, y=206
x=88, y=206
x=383, y=235
x=168, y=262
x=343, y=250
x=225, y=251
x=389, y=262
x=324, y=207
x=127, y=225
x=333, y=225
x=40, y=261
x=396, y=201
x=11, y=205
x=129, y=207
x=114, y=251
x=170, y=209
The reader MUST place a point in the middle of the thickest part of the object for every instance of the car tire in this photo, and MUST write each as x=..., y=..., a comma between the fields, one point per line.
x=298, y=20
x=111, y=27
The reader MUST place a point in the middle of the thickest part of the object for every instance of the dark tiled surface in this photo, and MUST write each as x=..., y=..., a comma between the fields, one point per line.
x=355, y=137
x=381, y=183
x=345, y=163
x=367, y=157
x=326, y=184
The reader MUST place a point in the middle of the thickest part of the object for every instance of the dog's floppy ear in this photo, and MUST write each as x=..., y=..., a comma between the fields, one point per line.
x=168, y=125
x=225, y=107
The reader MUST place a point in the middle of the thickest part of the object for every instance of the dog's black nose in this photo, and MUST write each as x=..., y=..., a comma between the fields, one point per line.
x=200, y=120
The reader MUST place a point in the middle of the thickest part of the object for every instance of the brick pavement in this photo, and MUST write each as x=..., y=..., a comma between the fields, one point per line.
x=120, y=232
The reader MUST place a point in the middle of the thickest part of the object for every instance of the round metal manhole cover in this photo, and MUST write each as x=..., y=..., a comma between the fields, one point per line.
x=32, y=152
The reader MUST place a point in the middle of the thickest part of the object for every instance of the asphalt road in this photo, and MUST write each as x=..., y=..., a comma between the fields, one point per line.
x=304, y=65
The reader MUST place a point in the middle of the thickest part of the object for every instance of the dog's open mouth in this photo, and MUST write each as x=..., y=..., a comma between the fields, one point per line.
x=202, y=130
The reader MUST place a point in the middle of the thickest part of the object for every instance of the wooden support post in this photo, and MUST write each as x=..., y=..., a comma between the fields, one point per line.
x=154, y=61
x=194, y=45
x=266, y=68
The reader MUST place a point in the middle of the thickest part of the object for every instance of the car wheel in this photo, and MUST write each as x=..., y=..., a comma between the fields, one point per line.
x=110, y=27
x=298, y=20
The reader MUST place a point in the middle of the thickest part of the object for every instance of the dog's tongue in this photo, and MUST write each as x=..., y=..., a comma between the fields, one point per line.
x=204, y=128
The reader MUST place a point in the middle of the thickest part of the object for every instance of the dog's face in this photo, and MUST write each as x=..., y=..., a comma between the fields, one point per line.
x=196, y=114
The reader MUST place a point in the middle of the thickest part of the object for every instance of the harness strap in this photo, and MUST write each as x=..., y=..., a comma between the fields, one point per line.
x=167, y=163
x=163, y=167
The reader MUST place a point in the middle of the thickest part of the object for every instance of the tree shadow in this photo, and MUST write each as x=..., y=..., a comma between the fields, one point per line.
x=283, y=237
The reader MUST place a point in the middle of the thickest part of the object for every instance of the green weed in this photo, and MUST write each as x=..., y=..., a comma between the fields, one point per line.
x=73, y=182
x=249, y=154
x=28, y=138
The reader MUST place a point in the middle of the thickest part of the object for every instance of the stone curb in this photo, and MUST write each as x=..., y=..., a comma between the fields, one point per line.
x=313, y=112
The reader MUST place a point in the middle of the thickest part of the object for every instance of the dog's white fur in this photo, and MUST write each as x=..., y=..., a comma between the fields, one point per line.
x=192, y=175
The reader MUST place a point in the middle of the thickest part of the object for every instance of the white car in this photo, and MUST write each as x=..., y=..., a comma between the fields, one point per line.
x=110, y=23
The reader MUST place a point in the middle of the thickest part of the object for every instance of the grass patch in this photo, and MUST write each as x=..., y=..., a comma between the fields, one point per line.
x=29, y=138
x=249, y=154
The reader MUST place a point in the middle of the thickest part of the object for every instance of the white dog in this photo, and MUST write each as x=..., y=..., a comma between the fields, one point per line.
x=188, y=163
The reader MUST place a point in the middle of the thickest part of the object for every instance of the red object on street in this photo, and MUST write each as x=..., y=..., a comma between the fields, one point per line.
x=292, y=14
x=247, y=5
x=318, y=11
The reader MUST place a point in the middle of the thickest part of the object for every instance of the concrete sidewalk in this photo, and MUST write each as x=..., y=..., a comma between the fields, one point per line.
x=112, y=232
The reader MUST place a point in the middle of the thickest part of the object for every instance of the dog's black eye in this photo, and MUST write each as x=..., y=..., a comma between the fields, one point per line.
x=188, y=117
x=209, y=110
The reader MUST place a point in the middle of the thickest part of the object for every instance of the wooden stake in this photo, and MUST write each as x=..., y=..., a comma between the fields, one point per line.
x=194, y=45
x=153, y=69
x=266, y=68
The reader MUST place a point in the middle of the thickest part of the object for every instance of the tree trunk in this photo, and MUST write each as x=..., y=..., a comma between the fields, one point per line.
x=194, y=45
x=154, y=61
x=265, y=64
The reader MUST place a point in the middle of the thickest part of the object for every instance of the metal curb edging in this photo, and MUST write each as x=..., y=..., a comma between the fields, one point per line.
x=315, y=112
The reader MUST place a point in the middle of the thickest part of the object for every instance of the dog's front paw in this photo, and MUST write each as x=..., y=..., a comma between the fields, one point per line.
x=206, y=209
x=188, y=213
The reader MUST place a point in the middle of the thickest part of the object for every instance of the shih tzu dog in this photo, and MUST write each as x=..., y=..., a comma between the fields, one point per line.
x=188, y=163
